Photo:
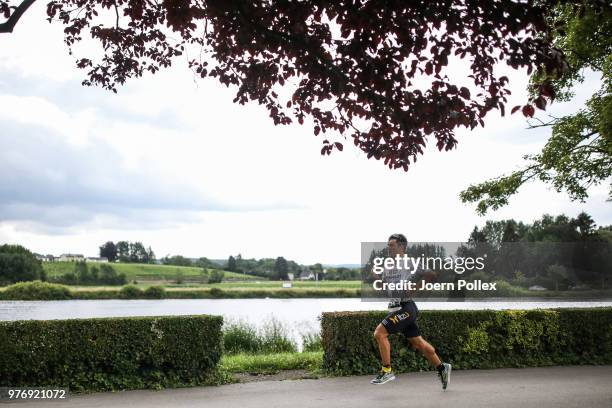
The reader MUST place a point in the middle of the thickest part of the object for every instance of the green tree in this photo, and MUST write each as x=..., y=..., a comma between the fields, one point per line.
x=18, y=264
x=150, y=258
x=138, y=253
x=578, y=153
x=204, y=275
x=123, y=251
x=177, y=260
x=109, y=251
x=108, y=276
x=81, y=271
x=204, y=262
x=585, y=225
x=95, y=274
x=216, y=276
x=231, y=264
x=281, y=269
x=179, y=277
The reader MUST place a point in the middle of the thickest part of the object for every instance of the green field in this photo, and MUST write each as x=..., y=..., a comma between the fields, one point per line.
x=150, y=272
x=262, y=283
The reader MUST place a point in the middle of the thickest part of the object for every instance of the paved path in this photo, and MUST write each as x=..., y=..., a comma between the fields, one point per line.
x=573, y=386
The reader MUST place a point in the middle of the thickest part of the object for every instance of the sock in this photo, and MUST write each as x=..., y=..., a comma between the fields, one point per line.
x=386, y=369
x=440, y=368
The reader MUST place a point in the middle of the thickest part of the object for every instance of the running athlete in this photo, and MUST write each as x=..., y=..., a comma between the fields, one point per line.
x=402, y=316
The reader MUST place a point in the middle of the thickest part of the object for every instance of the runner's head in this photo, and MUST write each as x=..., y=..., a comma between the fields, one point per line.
x=397, y=244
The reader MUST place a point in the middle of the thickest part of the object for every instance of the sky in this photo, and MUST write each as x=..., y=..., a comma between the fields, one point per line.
x=171, y=162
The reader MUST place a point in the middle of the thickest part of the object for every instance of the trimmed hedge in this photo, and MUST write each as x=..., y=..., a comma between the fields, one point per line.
x=103, y=354
x=472, y=339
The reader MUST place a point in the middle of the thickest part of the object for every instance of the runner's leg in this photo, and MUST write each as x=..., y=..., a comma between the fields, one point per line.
x=426, y=349
x=384, y=347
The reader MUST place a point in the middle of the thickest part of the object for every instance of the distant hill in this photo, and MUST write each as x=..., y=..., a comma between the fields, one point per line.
x=144, y=271
x=349, y=266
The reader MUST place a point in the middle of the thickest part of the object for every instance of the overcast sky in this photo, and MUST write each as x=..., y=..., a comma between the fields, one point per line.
x=172, y=162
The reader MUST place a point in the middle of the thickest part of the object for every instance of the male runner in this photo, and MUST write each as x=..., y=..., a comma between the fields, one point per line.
x=402, y=317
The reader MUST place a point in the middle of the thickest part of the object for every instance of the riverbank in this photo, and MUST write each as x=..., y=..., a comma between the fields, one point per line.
x=37, y=290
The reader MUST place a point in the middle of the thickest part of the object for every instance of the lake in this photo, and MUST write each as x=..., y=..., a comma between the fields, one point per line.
x=299, y=316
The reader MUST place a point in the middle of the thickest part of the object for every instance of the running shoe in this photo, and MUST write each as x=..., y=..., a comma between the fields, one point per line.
x=445, y=375
x=383, y=377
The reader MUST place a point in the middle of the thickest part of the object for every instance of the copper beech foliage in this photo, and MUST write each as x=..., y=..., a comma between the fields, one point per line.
x=350, y=65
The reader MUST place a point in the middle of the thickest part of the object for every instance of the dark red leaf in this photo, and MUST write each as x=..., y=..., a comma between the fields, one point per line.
x=528, y=111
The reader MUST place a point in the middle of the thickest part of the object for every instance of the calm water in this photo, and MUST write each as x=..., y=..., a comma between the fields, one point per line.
x=299, y=316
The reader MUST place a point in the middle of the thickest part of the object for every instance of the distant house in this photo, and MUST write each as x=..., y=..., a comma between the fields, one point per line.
x=44, y=258
x=97, y=259
x=537, y=287
x=307, y=274
x=71, y=258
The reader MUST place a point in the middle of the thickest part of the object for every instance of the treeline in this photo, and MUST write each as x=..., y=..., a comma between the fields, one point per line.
x=270, y=268
x=179, y=260
x=83, y=274
x=128, y=252
x=279, y=269
x=342, y=273
x=557, y=253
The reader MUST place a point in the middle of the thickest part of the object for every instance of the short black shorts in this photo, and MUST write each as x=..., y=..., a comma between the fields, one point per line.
x=403, y=320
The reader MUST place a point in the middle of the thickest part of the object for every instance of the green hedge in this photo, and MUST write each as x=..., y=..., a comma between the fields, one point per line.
x=472, y=339
x=102, y=354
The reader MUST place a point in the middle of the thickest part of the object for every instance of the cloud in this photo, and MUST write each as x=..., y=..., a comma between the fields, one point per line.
x=58, y=173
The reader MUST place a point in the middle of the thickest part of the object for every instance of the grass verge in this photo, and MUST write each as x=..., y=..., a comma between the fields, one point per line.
x=271, y=363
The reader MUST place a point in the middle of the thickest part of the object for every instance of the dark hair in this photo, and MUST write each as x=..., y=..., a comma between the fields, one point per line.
x=400, y=238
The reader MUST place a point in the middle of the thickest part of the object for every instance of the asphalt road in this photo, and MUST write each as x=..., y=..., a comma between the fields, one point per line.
x=568, y=386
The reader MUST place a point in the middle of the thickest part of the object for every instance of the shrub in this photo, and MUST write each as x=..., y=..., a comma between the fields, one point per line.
x=108, y=276
x=240, y=337
x=216, y=276
x=275, y=338
x=311, y=342
x=179, y=277
x=216, y=292
x=507, y=290
x=68, y=278
x=130, y=292
x=36, y=290
x=155, y=292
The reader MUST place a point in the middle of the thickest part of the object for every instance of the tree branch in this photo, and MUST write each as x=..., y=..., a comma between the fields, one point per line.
x=9, y=25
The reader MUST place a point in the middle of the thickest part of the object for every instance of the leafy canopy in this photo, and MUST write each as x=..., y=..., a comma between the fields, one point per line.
x=372, y=71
